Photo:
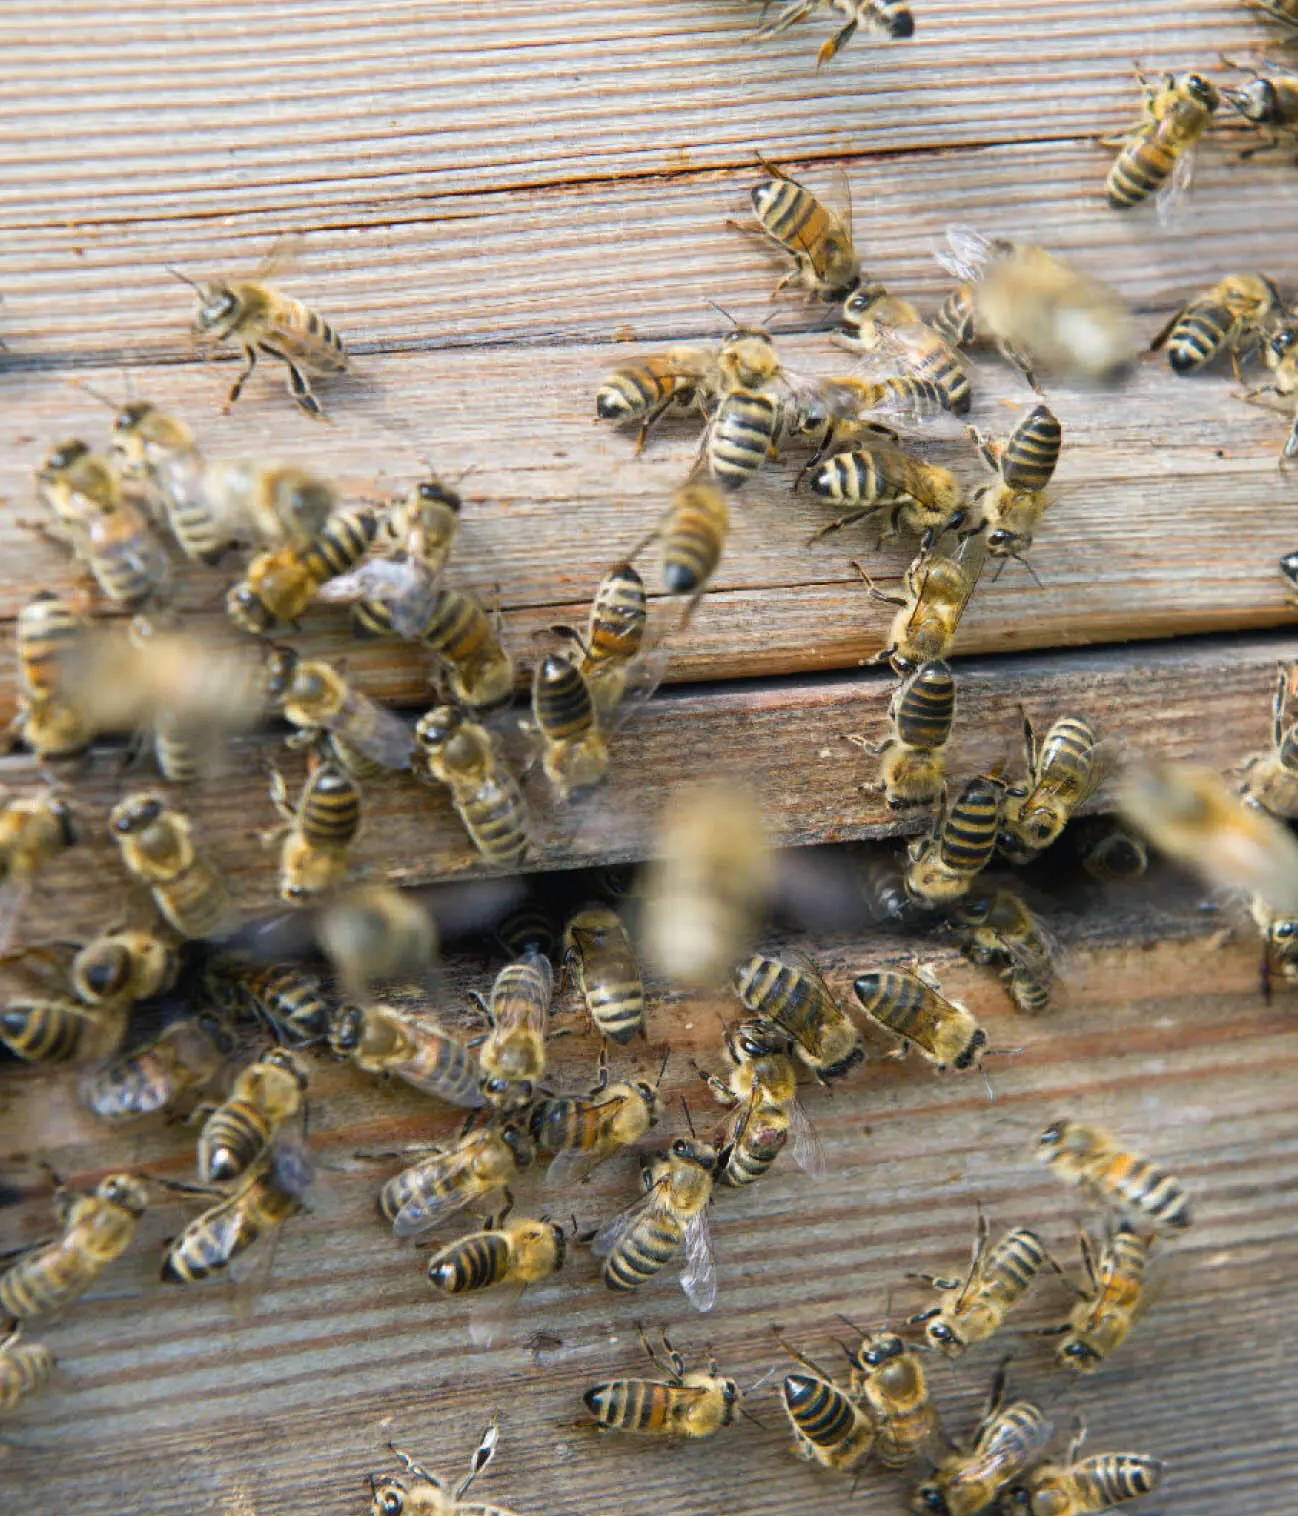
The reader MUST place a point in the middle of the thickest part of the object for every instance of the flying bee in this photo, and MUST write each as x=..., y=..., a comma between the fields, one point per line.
x=597, y=951
x=697, y=1404
x=682, y=378
x=1096, y=1162
x=956, y=317
x=157, y=848
x=797, y=999
x=888, y=1379
x=283, y=998
x=267, y=1198
x=128, y=964
x=265, y=1096
x=1158, y=153
x=97, y=1229
x=512, y=1059
x=420, y=1493
x=262, y=320
x=693, y=531
x=938, y=585
x=183, y=1059
x=913, y=1008
x=880, y=18
x=1191, y=816
x=921, y=711
x=873, y=321
x=504, y=1259
x=320, y=831
x=1063, y=772
x=463, y=755
x=1103, y=1315
x=1041, y=314
x=1005, y=1442
x=157, y=451
x=1271, y=778
x=406, y=1045
x=50, y=643
x=943, y=864
x=276, y=504
x=106, y=528
x=1231, y=317
x=671, y=1215
x=996, y=926
x=25, y=1368
x=762, y=1090
x=881, y=482
x=34, y=830
x=452, y=1176
x=974, y=1308
x=313, y=696
x=279, y=585
x=373, y=932
x=818, y=240
x=829, y=1428
x=1083, y=1486
x=1109, y=852
x=1009, y=510
x=583, y=1130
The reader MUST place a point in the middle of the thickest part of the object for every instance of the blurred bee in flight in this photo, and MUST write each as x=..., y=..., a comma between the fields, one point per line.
x=512, y=1058
x=1157, y=155
x=1096, y=1162
x=693, y=531
x=879, y=18
x=697, y=1404
x=819, y=240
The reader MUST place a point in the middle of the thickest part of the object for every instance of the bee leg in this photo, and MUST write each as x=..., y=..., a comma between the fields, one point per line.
x=875, y=749
x=300, y=389
x=795, y=11
x=837, y=526
x=875, y=592
x=650, y=418
x=236, y=389
x=836, y=44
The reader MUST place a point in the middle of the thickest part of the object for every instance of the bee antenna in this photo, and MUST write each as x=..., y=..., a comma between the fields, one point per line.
x=722, y=309
x=688, y=1119
x=755, y=1420
x=184, y=278
x=80, y=384
x=758, y=1383
x=860, y=1331
x=662, y=1068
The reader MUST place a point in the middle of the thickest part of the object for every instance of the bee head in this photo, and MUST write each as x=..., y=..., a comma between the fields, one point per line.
x=1255, y=102
x=966, y=1057
x=246, y=609
x=1203, y=91
x=345, y=1029
x=518, y=1142
x=135, y=814
x=942, y=1335
x=63, y=457
x=389, y=1497
x=880, y=1349
x=126, y=1191
x=929, y=1497
x=1078, y=1355
x=104, y=972
x=216, y=305
x=131, y=416
x=438, y=726
x=432, y=491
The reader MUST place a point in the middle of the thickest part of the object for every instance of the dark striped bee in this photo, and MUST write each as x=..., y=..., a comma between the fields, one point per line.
x=454, y=1175
x=279, y=585
x=1096, y=1162
x=383, y=1040
x=1005, y=1442
x=50, y=639
x=944, y=864
x=314, y=697
x=875, y=322
x=761, y=1089
x=697, y=1404
x=1158, y=153
x=892, y=489
x=996, y=926
x=1105, y=1312
x=464, y=756
x=921, y=712
x=829, y=1427
x=671, y=1216
x=1083, y=1486
x=693, y=532
x=796, y=998
x=512, y=1059
x=938, y=585
x=284, y=998
x=25, y=1368
x=1009, y=510
x=972, y=1309
x=956, y=317
x=913, y=1008
x=466, y=639
x=881, y=18
x=1231, y=317
x=97, y=1229
x=1271, y=778
x=583, y=1130
x=419, y=1493
x=157, y=848
x=319, y=831
x=747, y=418
x=1062, y=774
x=504, y=1259
x=574, y=745
x=682, y=378
x=53, y=1027
x=818, y=240
x=182, y=1059
x=613, y=662
x=265, y=1097
x=888, y=1379
x=597, y=951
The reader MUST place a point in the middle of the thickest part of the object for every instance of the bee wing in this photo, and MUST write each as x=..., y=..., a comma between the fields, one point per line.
x=1173, y=190
x=608, y=1237
x=808, y=1153
x=573, y=1165
x=223, y=1223
x=418, y=1216
x=375, y=732
x=699, y=1275
x=480, y=1510
x=282, y=255
x=492, y=1313
x=965, y=254
x=1105, y=758
x=617, y=702
x=452, y=1091
x=13, y=897
x=908, y=341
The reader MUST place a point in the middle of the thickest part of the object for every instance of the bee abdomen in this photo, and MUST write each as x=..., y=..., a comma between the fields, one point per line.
x=1032, y=451
x=819, y=1410
x=178, y=760
x=342, y=544
x=43, y=1031
x=942, y=370
x=497, y=824
x=1110, y=1478
x=747, y=1161
x=196, y=903
x=1029, y=993
x=629, y=393
x=472, y=1263
x=24, y=1367
x=850, y=478
x=231, y=1139
x=785, y=209
x=631, y=1405
x=897, y=17
x=1139, y=169
x=741, y=434
x=44, y=1282
x=1015, y=1262
x=617, y=1007
x=561, y=1123
x=969, y=835
x=619, y=614
x=331, y=809
x=926, y=707
x=456, y=625
x=562, y=703
x=1146, y=1187
x=955, y=319
x=1198, y=336
x=644, y=1251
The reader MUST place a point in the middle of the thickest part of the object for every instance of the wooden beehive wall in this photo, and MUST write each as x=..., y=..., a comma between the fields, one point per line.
x=497, y=200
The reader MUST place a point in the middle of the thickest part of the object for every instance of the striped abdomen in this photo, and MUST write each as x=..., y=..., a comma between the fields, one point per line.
x=825, y=1417
x=179, y=760
x=785, y=995
x=611, y=985
x=756, y=1147
x=630, y=393
x=925, y=706
x=495, y=815
x=1064, y=762
x=955, y=319
x=697, y=523
x=46, y=1031
x=1011, y=1265
x=633, y=1405
x=740, y=436
x=445, y=1065
x=968, y=836
x=461, y=631
x=561, y=700
x=232, y=1138
x=898, y=1001
x=342, y=544
x=855, y=478
x=49, y=632
x=330, y=812
x=1108, y=1479
x=1203, y=328
x=1028, y=462
x=359, y=765
x=565, y=1122
x=472, y=1263
x=791, y=215
x=305, y=336
x=289, y=1000
x=618, y=616
x=1004, y=1448
x=935, y=364
x=1122, y=1268
x=24, y=1368
x=203, y=1249
x=44, y=1281
x=1138, y=1183
x=126, y=561
x=196, y=902
x=1030, y=992
x=649, y=1246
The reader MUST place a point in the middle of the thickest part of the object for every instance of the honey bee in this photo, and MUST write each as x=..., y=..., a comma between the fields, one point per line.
x=762, y=1091
x=1103, y=1315
x=1109, y=1176
x=1111, y=853
x=265, y=1097
x=503, y=1259
x=1279, y=945
x=873, y=321
x=974, y=1308
x=798, y=1000
x=612, y=647
x=384, y=1040
x=1271, y=778
x=466, y=640
x=956, y=317
x=1191, y=816
x=262, y=320
x=997, y=926
x=452, y=1176
x=158, y=849
x=278, y=504
x=320, y=831
x=896, y=491
x=283, y=998
x=682, y=378
x=268, y=1196
x=423, y=1494
x=1158, y=153
x=1231, y=317
x=312, y=696
x=1009, y=510
x=97, y=1228
x=1062, y=774
x=693, y=530
x=1289, y=571
x=943, y=864
x=913, y=1008
x=583, y=1130
x=279, y=585
x=157, y=451
x=106, y=529
x=880, y=18
x=671, y=1215
x=921, y=712
x=597, y=951
x=50, y=640
x=463, y=755
x=512, y=1059
x=375, y=932
x=1283, y=12
x=1005, y=1442
x=1280, y=352
x=25, y=1368
x=128, y=964
x=829, y=1428
x=746, y=420
x=1083, y=1486
x=183, y=1058
x=697, y=1404
x=1041, y=314
x=888, y=1379
x=818, y=240
x=34, y=830
x=938, y=586
x=60, y=1029
x=574, y=746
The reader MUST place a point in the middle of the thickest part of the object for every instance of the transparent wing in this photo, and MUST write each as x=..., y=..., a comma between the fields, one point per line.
x=573, y=1166
x=966, y=253
x=422, y=1215
x=808, y=1153
x=911, y=342
x=1172, y=192
x=13, y=898
x=699, y=1274
x=282, y=256
x=373, y=731
x=480, y=1510
x=1105, y=758
x=457, y=1085
x=614, y=1231
x=492, y=1314
x=618, y=699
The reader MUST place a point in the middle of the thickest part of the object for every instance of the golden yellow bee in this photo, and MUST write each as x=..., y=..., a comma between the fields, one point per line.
x=829, y=1427
x=25, y=1368
x=1105, y=1312
x=1280, y=352
x=466, y=640
x=454, y=1175
x=890, y=488
x=501, y=1262
x=373, y=932
x=1083, y=1486
x=761, y=1089
x=97, y=1229
x=697, y=1404
x=279, y=585
x=913, y=1008
x=613, y=663
x=1231, y=317
x=888, y=1379
x=407, y=1045
x=127, y=964
x=796, y=998
x=682, y=378
x=943, y=864
x=972, y=1309
x=319, y=832
x=184, y=1058
x=818, y=240
x=51, y=644
x=1096, y=1162
x=314, y=697
x=512, y=1059
x=265, y=1096
x=1009, y=510
x=55, y=1028
x=1158, y=154
x=880, y=18
x=746, y=420
x=921, y=711
x=284, y=999
x=996, y=926
x=876, y=322
x=597, y=951
x=264, y=501
x=1063, y=772
x=693, y=531
x=463, y=755
x=937, y=587
x=583, y=1130
x=420, y=1493
x=158, y=849
x=1005, y=1443
x=262, y=320
x=1271, y=778
x=34, y=830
